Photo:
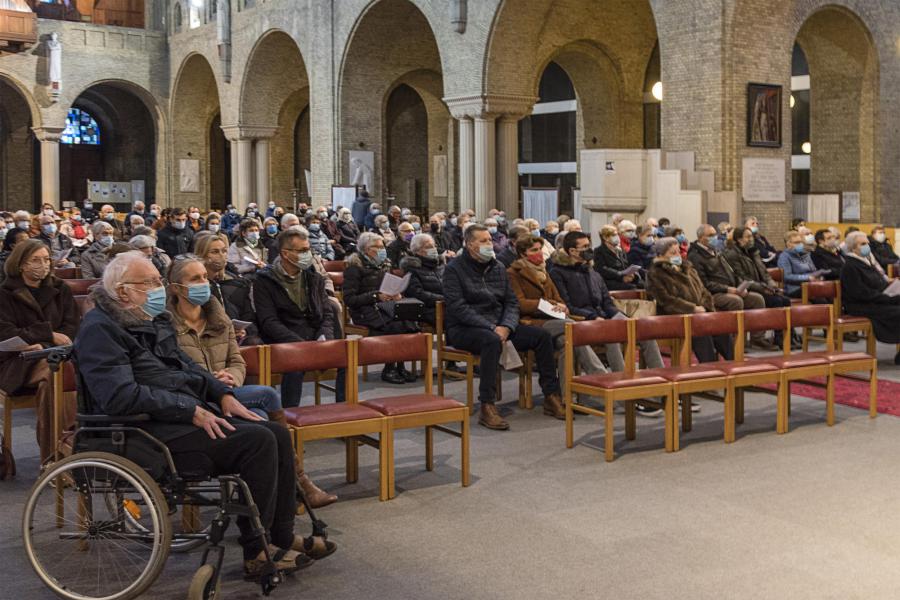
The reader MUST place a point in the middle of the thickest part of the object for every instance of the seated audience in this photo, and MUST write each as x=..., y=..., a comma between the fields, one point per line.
x=534, y=229
x=383, y=228
x=108, y=214
x=509, y=255
x=89, y=213
x=76, y=229
x=443, y=239
x=367, y=305
x=267, y=236
x=627, y=234
x=195, y=221
x=767, y=252
x=677, y=289
x=641, y=250
x=863, y=286
x=61, y=247
x=399, y=248
x=549, y=233
x=40, y=309
x=809, y=240
x=723, y=234
x=94, y=259
x=611, y=262
x=498, y=238
x=348, y=231
x=213, y=222
x=881, y=248
x=176, y=237
x=226, y=285
x=318, y=239
x=230, y=219
x=483, y=313
x=13, y=237
x=796, y=263
x=246, y=254
x=426, y=268
x=130, y=362
x=147, y=245
x=827, y=255
x=369, y=223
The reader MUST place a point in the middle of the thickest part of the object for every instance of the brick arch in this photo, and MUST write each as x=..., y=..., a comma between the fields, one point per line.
x=33, y=108
x=18, y=113
x=274, y=70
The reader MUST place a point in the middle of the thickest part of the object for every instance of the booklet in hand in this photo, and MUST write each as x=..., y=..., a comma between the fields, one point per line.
x=549, y=310
x=392, y=285
x=13, y=344
x=893, y=289
x=631, y=270
x=240, y=325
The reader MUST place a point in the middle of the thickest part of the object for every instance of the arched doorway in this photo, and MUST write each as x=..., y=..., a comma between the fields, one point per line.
x=406, y=168
x=19, y=180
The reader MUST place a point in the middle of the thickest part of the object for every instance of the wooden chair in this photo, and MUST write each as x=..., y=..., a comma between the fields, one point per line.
x=335, y=266
x=628, y=294
x=347, y=420
x=84, y=304
x=68, y=273
x=626, y=387
x=777, y=275
x=415, y=410
x=831, y=290
x=80, y=287
x=255, y=359
x=12, y=403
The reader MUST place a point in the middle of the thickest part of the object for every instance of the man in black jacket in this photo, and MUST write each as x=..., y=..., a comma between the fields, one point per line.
x=176, y=237
x=129, y=363
x=483, y=313
x=292, y=306
x=827, y=255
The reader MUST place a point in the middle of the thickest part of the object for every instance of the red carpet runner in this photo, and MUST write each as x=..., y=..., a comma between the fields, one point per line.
x=855, y=393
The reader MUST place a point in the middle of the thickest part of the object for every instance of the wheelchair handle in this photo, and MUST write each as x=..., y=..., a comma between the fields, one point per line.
x=55, y=355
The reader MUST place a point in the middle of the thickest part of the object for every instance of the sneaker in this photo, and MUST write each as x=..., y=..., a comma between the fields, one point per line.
x=648, y=411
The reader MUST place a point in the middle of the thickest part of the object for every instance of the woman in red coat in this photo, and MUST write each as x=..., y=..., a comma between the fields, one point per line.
x=40, y=309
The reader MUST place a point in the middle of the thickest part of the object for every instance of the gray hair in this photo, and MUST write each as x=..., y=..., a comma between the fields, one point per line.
x=662, y=245
x=114, y=273
x=418, y=242
x=288, y=217
x=366, y=240
x=853, y=240
x=99, y=227
x=382, y=218
x=490, y=221
x=141, y=241
x=701, y=231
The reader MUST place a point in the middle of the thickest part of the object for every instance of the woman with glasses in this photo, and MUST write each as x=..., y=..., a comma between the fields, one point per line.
x=40, y=309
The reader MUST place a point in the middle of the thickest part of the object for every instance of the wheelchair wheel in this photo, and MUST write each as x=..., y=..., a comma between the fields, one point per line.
x=85, y=547
x=202, y=586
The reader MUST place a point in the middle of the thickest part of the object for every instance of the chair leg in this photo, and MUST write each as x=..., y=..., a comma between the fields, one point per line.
x=729, y=413
x=870, y=343
x=440, y=375
x=687, y=421
x=608, y=430
x=352, y=459
x=630, y=421
x=829, y=399
x=873, y=391
x=671, y=422
x=806, y=339
x=429, y=449
x=385, y=460
x=365, y=375
x=7, y=423
x=470, y=386
x=464, y=448
x=570, y=417
x=781, y=412
x=318, y=389
x=739, y=407
x=839, y=339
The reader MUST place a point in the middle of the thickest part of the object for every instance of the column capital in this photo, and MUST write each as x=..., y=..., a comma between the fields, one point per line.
x=490, y=106
x=48, y=134
x=234, y=133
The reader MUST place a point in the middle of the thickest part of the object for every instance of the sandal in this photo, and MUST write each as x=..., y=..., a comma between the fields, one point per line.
x=286, y=561
x=314, y=547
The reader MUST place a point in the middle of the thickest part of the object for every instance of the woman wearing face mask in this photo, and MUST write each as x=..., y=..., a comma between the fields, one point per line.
x=797, y=264
x=641, y=251
x=383, y=228
x=611, y=262
x=94, y=259
x=683, y=245
x=881, y=248
x=426, y=269
x=498, y=239
x=227, y=285
x=362, y=281
x=318, y=241
x=534, y=229
x=677, y=289
x=247, y=254
x=13, y=236
x=267, y=237
x=213, y=222
x=195, y=221
x=40, y=309
x=400, y=249
x=863, y=286
x=348, y=231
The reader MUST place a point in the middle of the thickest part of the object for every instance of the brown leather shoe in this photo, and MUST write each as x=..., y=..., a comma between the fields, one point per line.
x=316, y=496
x=553, y=406
x=491, y=419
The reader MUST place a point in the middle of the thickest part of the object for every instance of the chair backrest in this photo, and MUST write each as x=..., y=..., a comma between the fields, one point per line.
x=68, y=273
x=776, y=274
x=811, y=315
x=381, y=349
x=439, y=323
x=84, y=303
x=337, y=278
x=814, y=290
x=251, y=356
x=309, y=356
x=628, y=294
x=714, y=323
x=335, y=266
x=765, y=319
x=80, y=287
x=660, y=327
x=600, y=331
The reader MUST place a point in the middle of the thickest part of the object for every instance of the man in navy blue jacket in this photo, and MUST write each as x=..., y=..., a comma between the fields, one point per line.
x=483, y=313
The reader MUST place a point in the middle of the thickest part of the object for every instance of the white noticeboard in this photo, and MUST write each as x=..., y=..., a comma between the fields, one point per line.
x=109, y=192
x=763, y=180
x=137, y=190
x=850, y=206
x=541, y=204
x=342, y=195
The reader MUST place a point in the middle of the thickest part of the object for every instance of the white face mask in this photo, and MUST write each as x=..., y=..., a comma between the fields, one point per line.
x=879, y=237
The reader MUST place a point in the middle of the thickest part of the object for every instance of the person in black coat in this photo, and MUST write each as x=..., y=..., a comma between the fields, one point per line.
x=509, y=255
x=641, y=251
x=827, y=255
x=483, y=313
x=426, y=269
x=862, y=288
x=348, y=231
x=882, y=249
x=399, y=248
x=367, y=305
x=176, y=237
x=610, y=261
x=129, y=363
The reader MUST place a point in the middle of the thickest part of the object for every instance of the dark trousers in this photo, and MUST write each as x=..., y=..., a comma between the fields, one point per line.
x=776, y=300
x=262, y=455
x=292, y=388
x=708, y=347
x=486, y=344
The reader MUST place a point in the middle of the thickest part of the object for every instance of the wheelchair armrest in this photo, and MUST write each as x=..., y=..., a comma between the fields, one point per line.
x=112, y=418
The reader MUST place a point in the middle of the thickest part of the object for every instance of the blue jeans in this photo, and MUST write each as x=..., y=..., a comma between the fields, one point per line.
x=260, y=399
x=292, y=388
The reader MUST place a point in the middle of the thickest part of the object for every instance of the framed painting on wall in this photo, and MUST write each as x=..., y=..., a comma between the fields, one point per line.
x=764, y=115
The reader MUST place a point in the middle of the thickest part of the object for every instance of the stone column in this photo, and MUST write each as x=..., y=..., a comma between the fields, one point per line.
x=262, y=172
x=485, y=166
x=49, y=139
x=508, y=165
x=245, y=183
x=466, y=164
x=244, y=174
x=233, y=159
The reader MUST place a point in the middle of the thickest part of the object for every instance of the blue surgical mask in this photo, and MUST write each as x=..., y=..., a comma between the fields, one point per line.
x=798, y=247
x=375, y=211
x=315, y=227
x=486, y=253
x=252, y=237
x=417, y=226
x=681, y=238
x=23, y=225
x=49, y=228
x=432, y=253
x=88, y=204
x=492, y=230
x=865, y=251
x=198, y=293
x=10, y=225
x=380, y=256
x=106, y=240
x=109, y=216
x=536, y=233
x=660, y=231
x=675, y=260
x=271, y=229
x=179, y=224
x=156, y=302
x=754, y=229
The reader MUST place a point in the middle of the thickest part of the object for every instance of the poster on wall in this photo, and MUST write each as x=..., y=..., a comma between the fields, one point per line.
x=343, y=195
x=541, y=204
x=440, y=176
x=189, y=175
x=763, y=180
x=362, y=169
x=850, y=202
x=764, y=115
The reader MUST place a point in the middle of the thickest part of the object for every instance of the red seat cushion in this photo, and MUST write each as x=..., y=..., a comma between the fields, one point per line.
x=691, y=373
x=745, y=367
x=392, y=406
x=848, y=320
x=611, y=381
x=328, y=413
x=841, y=356
x=805, y=359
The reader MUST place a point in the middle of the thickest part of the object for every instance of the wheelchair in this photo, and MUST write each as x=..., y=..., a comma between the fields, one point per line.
x=112, y=540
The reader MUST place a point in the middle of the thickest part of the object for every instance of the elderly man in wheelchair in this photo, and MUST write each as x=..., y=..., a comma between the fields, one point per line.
x=153, y=429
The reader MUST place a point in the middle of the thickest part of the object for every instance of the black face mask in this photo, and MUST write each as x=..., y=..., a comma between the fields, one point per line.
x=435, y=227
x=587, y=255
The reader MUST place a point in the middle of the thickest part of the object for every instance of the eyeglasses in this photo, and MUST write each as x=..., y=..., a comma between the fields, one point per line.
x=152, y=283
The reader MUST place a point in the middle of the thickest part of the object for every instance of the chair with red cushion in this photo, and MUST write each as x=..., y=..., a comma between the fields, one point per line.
x=335, y=266
x=626, y=387
x=80, y=287
x=349, y=421
x=255, y=358
x=68, y=273
x=409, y=411
x=831, y=291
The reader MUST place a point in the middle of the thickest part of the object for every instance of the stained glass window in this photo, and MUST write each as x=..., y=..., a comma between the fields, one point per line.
x=81, y=128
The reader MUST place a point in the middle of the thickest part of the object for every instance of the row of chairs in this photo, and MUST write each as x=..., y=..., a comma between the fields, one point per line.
x=678, y=382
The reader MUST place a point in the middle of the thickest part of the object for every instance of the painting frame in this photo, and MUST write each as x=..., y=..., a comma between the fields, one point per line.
x=764, y=130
